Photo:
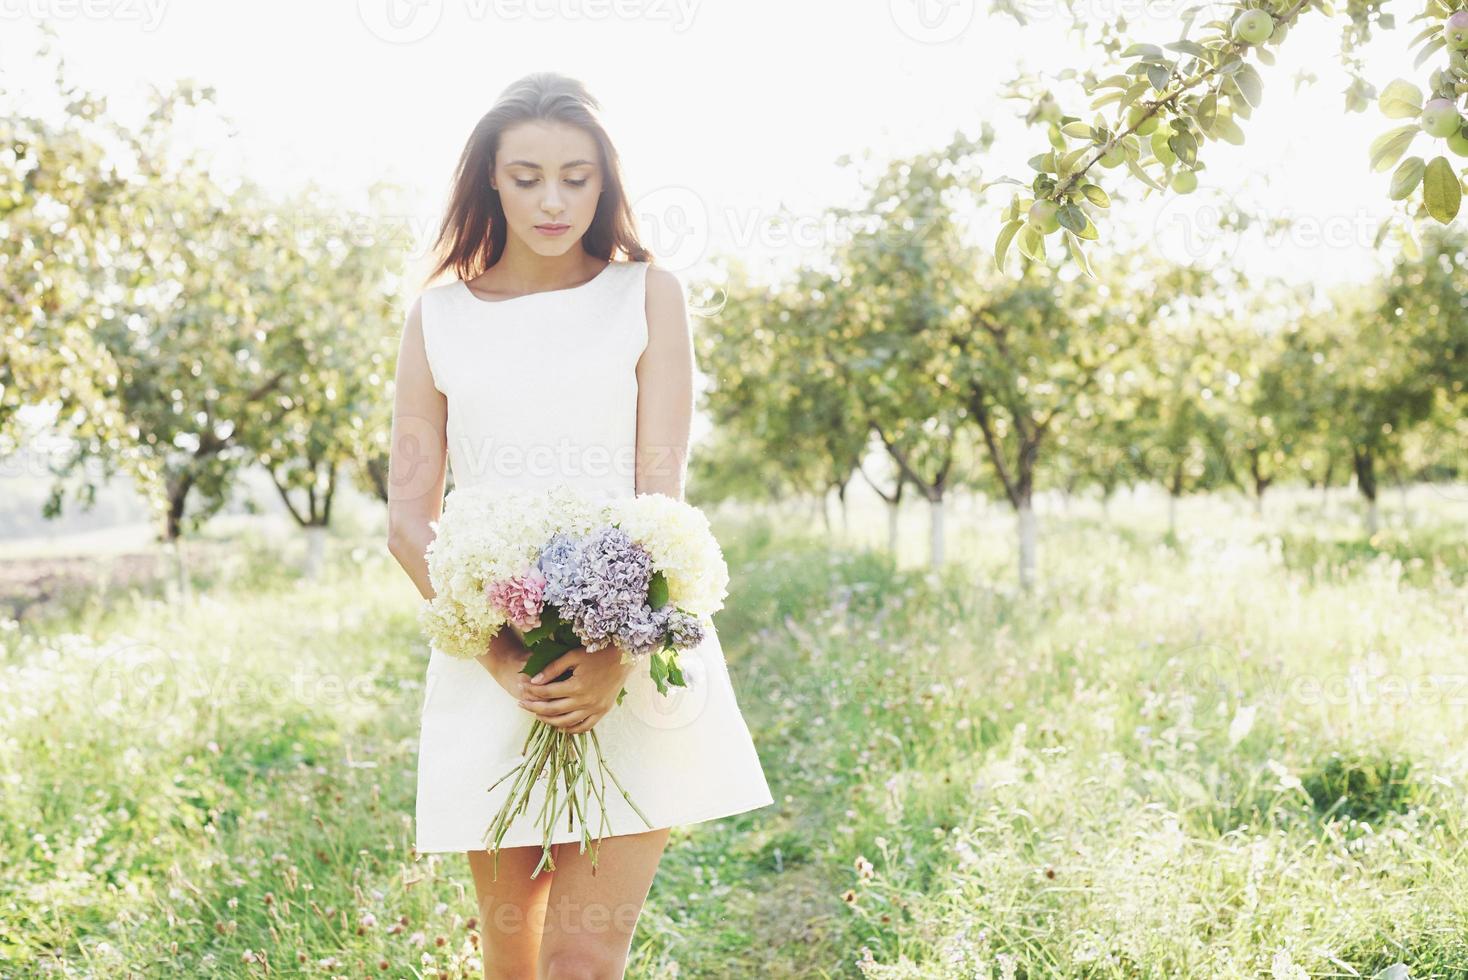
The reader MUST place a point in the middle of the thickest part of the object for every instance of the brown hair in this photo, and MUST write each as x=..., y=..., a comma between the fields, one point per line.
x=472, y=236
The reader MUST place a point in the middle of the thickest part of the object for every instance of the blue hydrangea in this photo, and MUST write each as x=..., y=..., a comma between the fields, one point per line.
x=599, y=584
x=560, y=563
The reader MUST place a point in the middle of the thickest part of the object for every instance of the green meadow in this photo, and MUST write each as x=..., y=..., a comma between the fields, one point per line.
x=1237, y=751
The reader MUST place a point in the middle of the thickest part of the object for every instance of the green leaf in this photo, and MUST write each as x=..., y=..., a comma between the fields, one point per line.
x=1426, y=33
x=1001, y=244
x=1142, y=51
x=1190, y=47
x=1096, y=195
x=1071, y=217
x=1442, y=192
x=1207, y=112
x=1185, y=145
x=657, y=590
x=1228, y=130
x=1250, y=84
x=1079, y=254
x=1410, y=247
x=1388, y=148
x=1079, y=130
x=1400, y=100
x=1068, y=162
x=1141, y=174
x=1031, y=243
x=1158, y=76
x=1406, y=179
x=1428, y=52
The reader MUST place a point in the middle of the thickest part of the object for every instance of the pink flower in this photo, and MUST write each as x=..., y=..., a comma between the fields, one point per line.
x=520, y=598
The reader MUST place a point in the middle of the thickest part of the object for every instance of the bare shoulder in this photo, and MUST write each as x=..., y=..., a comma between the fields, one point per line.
x=667, y=309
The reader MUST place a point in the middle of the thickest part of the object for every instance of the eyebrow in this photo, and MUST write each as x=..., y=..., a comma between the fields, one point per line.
x=564, y=166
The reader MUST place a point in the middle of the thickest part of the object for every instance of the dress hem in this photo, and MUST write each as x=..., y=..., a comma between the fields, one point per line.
x=559, y=837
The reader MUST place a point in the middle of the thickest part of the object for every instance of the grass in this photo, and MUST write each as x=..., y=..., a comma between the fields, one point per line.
x=1236, y=752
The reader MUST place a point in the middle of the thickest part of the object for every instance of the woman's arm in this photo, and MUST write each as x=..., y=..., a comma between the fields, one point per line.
x=664, y=388
x=416, y=472
x=417, y=455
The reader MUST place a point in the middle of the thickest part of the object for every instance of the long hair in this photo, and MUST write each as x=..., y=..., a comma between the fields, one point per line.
x=472, y=235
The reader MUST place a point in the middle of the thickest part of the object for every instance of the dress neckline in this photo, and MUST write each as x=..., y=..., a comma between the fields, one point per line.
x=469, y=293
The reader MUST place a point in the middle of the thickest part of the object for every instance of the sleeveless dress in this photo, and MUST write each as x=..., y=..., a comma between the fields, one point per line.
x=543, y=388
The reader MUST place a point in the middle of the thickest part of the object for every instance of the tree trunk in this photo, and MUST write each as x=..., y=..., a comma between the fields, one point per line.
x=315, y=551
x=182, y=587
x=935, y=533
x=893, y=507
x=1172, y=513
x=1365, y=464
x=1026, y=514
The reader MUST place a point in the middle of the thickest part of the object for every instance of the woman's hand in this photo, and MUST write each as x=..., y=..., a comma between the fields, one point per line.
x=505, y=660
x=576, y=704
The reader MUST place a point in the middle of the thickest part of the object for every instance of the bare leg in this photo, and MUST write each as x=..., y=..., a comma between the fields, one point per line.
x=511, y=910
x=590, y=919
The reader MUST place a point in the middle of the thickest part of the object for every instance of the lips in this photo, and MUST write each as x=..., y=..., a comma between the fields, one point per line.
x=553, y=227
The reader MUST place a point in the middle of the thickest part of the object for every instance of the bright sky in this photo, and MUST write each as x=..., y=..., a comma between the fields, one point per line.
x=723, y=111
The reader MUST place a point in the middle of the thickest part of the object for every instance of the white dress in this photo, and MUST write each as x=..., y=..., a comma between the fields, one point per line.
x=542, y=388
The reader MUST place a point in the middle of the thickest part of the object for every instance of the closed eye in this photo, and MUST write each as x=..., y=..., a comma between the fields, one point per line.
x=573, y=183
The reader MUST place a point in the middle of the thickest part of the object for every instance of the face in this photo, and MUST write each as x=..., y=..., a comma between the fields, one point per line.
x=548, y=173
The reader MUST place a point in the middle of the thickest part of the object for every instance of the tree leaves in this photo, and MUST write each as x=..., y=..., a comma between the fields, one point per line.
x=1442, y=192
x=1001, y=245
x=1406, y=179
x=1400, y=100
x=1388, y=148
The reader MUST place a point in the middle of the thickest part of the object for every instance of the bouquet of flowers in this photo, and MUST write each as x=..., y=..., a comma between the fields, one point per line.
x=641, y=575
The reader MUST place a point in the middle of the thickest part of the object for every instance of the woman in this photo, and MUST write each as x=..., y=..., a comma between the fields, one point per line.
x=546, y=360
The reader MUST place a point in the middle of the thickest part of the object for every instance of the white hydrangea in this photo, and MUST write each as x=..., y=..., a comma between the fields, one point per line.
x=682, y=546
x=486, y=534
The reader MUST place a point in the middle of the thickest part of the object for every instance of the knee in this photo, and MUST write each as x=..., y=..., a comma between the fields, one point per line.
x=588, y=963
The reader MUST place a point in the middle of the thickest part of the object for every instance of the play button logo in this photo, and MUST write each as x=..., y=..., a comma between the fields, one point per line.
x=400, y=21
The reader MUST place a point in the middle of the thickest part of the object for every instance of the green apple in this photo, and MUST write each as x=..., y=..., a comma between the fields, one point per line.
x=1144, y=127
x=1280, y=32
x=1458, y=142
x=1440, y=117
x=1113, y=157
x=1044, y=217
x=1455, y=32
x=1160, y=149
x=1185, y=182
x=1253, y=27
